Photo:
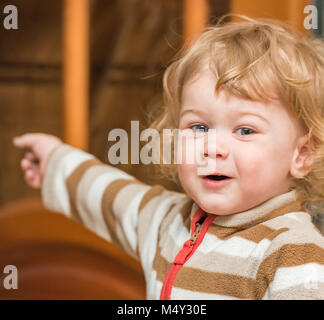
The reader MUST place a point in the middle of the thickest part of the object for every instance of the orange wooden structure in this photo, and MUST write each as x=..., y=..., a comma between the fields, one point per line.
x=76, y=72
x=289, y=11
x=196, y=15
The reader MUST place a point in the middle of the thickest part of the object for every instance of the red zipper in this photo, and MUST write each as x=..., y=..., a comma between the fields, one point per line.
x=189, y=247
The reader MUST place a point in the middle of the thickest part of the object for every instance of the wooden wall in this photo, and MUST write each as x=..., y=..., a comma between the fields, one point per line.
x=131, y=42
x=30, y=85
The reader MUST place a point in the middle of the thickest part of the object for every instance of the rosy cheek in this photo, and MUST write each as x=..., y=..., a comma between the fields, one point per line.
x=251, y=164
x=185, y=170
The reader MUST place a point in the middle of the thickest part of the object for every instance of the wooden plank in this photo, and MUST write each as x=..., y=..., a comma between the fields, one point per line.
x=76, y=72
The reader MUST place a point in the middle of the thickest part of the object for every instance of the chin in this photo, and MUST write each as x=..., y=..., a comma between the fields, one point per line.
x=219, y=209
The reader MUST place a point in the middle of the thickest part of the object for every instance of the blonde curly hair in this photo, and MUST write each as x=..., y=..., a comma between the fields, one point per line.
x=258, y=60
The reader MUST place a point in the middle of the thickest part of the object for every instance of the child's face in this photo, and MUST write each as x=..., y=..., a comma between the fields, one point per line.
x=256, y=146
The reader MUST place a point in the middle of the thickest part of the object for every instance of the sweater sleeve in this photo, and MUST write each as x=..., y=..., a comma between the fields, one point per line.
x=293, y=267
x=106, y=200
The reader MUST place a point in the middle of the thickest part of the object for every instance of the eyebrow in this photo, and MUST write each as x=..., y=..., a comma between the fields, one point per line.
x=191, y=110
x=241, y=113
x=250, y=113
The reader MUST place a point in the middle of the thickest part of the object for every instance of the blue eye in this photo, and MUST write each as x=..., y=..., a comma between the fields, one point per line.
x=199, y=128
x=245, y=131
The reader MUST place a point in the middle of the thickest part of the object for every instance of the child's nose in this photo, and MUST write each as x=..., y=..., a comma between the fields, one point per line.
x=216, y=145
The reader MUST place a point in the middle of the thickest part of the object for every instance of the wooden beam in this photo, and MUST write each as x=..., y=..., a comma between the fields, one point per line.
x=296, y=14
x=76, y=72
x=196, y=15
x=288, y=11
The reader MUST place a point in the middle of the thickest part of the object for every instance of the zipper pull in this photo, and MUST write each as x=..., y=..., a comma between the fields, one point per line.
x=188, y=246
x=199, y=225
x=194, y=237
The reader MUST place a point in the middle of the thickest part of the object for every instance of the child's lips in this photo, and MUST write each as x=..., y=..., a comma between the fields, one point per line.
x=211, y=182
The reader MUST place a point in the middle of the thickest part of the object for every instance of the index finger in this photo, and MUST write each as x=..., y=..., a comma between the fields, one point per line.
x=26, y=140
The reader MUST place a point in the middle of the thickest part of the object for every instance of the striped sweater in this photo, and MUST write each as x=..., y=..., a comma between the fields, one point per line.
x=272, y=251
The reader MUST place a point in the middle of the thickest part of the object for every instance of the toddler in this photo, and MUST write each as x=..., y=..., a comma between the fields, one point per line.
x=244, y=229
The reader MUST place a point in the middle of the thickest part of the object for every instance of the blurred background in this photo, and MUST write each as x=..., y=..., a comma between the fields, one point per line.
x=77, y=69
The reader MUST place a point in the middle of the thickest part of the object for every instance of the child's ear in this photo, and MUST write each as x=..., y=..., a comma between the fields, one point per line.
x=303, y=158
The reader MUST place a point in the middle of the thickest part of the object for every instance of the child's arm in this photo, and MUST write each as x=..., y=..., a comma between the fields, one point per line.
x=293, y=267
x=108, y=201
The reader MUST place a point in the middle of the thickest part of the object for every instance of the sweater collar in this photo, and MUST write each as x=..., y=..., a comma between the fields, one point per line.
x=274, y=207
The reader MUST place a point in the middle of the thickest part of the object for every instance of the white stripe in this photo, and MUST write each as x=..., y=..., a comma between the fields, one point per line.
x=182, y=294
x=169, y=219
x=129, y=222
x=72, y=160
x=66, y=166
x=160, y=208
x=308, y=275
x=289, y=220
x=153, y=287
x=177, y=231
x=90, y=208
x=235, y=246
x=128, y=229
x=120, y=234
x=298, y=216
x=90, y=219
x=261, y=248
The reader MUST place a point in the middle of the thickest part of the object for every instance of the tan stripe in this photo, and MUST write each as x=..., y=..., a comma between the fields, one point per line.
x=153, y=192
x=289, y=255
x=215, y=283
x=290, y=207
x=73, y=182
x=254, y=234
x=261, y=232
x=160, y=265
x=222, y=233
x=185, y=213
x=107, y=205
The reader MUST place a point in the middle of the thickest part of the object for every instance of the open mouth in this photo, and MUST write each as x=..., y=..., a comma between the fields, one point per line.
x=217, y=177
